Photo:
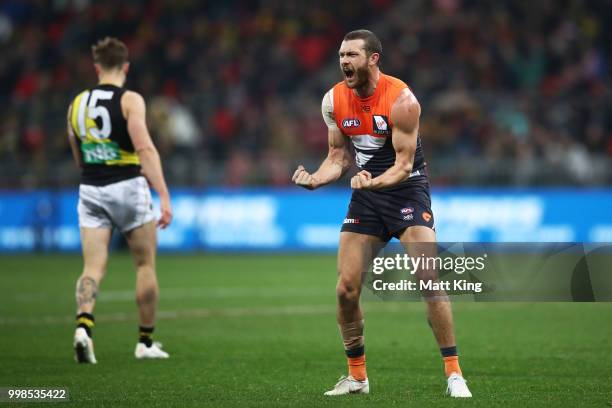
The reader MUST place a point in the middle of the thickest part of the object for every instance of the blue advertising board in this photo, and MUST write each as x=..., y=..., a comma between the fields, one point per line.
x=295, y=220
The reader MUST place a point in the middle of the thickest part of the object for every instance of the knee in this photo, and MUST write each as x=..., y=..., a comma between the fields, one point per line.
x=347, y=292
x=144, y=259
x=143, y=254
x=144, y=265
x=426, y=275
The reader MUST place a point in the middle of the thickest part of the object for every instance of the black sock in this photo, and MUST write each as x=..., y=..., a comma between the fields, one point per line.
x=86, y=321
x=356, y=352
x=448, y=351
x=146, y=335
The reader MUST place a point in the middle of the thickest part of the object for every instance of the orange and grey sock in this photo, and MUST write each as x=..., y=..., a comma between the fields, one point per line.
x=451, y=360
x=352, y=336
x=86, y=321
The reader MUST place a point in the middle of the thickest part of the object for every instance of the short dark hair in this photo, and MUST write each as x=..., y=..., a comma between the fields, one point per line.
x=110, y=53
x=372, y=43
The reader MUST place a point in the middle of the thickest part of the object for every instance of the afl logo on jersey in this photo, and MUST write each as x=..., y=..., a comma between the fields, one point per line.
x=349, y=123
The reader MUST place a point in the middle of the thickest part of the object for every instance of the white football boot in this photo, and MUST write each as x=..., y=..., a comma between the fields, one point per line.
x=153, y=352
x=457, y=387
x=83, y=347
x=349, y=385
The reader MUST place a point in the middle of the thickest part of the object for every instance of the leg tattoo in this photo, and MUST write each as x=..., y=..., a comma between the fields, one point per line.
x=87, y=291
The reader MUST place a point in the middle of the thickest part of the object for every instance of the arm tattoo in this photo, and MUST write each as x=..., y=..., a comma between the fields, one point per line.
x=87, y=290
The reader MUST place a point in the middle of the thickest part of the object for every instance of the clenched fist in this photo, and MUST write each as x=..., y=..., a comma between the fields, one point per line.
x=361, y=181
x=302, y=178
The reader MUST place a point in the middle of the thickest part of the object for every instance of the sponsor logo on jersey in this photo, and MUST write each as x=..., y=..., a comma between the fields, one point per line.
x=407, y=210
x=352, y=122
x=351, y=221
x=427, y=216
x=409, y=217
x=366, y=108
x=415, y=173
x=381, y=125
x=99, y=153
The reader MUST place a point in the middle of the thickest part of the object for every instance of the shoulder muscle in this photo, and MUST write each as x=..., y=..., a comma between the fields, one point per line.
x=405, y=111
x=132, y=103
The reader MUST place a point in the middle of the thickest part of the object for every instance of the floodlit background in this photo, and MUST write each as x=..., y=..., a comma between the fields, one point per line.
x=514, y=95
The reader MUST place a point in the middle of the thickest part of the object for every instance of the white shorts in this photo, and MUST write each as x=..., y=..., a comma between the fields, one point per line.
x=125, y=205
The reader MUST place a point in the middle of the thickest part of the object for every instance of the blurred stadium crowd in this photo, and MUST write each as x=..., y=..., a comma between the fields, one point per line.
x=512, y=92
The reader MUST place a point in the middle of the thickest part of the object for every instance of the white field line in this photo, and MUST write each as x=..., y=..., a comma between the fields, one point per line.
x=185, y=293
x=179, y=314
x=202, y=313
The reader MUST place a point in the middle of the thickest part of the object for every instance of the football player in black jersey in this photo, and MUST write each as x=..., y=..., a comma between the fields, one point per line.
x=111, y=144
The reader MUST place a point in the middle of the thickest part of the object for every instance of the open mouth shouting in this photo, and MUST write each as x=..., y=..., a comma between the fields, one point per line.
x=348, y=72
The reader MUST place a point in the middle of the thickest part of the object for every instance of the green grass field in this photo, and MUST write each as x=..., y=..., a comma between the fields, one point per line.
x=260, y=330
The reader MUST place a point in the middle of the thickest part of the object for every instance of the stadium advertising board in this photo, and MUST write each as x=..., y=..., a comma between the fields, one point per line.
x=293, y=220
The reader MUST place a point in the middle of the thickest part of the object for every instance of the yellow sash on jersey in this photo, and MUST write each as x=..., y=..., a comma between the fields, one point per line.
x=96, y=150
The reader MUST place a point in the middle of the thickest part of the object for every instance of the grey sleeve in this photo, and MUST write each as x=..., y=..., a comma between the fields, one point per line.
x=327, y=110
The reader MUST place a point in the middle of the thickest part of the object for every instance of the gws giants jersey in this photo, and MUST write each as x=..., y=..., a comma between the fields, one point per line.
x=367, y=122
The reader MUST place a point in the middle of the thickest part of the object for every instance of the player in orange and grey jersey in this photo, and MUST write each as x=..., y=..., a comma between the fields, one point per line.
x=379, y=116
x=110, y=142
